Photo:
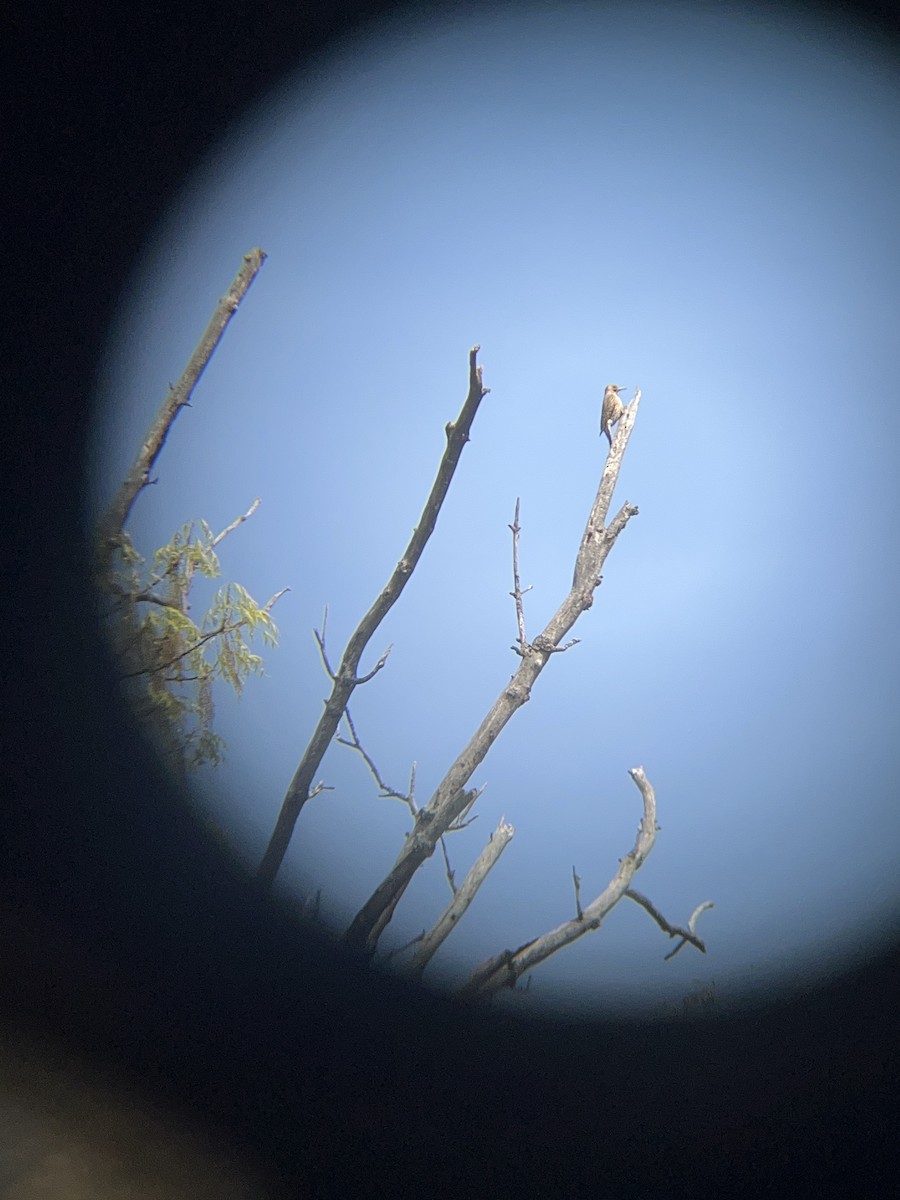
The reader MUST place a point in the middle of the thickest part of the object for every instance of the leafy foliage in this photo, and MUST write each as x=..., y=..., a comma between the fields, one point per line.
x=169, y=660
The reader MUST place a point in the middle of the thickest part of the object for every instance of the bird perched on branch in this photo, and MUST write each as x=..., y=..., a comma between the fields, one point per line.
x=611, y=411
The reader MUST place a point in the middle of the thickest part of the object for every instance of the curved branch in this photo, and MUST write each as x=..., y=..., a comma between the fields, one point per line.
x=504, y=969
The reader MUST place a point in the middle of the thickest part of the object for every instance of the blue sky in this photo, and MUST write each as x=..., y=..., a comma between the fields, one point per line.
x=698, y=201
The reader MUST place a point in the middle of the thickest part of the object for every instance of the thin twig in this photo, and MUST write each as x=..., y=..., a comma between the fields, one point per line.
x=146, y=595
x=223, y=627
x=448, y=870
x=686, y=935
x=517, y=592
x=320, y=640
x=386, y=792
x=371, y=674
x=460, y=822
x=237, y=521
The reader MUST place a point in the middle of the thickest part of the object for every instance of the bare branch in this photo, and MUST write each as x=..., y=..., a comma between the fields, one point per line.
x=448, y=870
x=376, y=668
x=345, y=680
x=237, y=521
x=503, y=970
x=460, y=821
x=412, y=785
x=596, y=541
x=320, y=640
x=274, y=599
x=113, y=522
x=701, y=908
x=517, y=592
x=541, y=643
x=452, y=915
x=576, y=879
x=686, y=935
x=387, y=793
x=445, y=805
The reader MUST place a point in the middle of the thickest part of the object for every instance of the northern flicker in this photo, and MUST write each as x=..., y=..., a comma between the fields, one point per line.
x=611, y=411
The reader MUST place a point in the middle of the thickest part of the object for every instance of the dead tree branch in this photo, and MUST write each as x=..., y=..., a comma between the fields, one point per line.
x=236, y=522
x=504, y=969
x=448, y=870
x=429, y=944
x=320, y=641
x=686, y=935
x=517, y=592
x=384, y=790
x=113, y=522
x=576, y=879
x=345, y=679
x=448, y=800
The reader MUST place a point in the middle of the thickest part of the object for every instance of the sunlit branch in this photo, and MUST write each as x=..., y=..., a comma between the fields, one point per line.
x=345, y=678
x=138, y=477
x=446, y=804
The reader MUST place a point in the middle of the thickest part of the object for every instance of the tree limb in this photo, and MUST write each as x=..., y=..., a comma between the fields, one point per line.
x=448, y=801
x=113, y=522
x=236, y=522
x=384, y=790
x=465, y=894
x=686, y=935
x=345, y=679
x=504, y=969
x=517, y=592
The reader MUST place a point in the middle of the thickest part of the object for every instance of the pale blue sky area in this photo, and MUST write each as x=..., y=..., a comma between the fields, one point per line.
x=688, y=200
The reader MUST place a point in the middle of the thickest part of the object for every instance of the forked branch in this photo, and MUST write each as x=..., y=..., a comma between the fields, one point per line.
x=504, y=969
x=433, y=821
x=686, y=935
x=345, y=678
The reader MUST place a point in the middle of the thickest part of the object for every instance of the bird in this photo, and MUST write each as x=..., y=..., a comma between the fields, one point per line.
x=611, y=411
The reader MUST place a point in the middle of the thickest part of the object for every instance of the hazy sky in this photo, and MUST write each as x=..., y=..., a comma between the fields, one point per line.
x=699, y=201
